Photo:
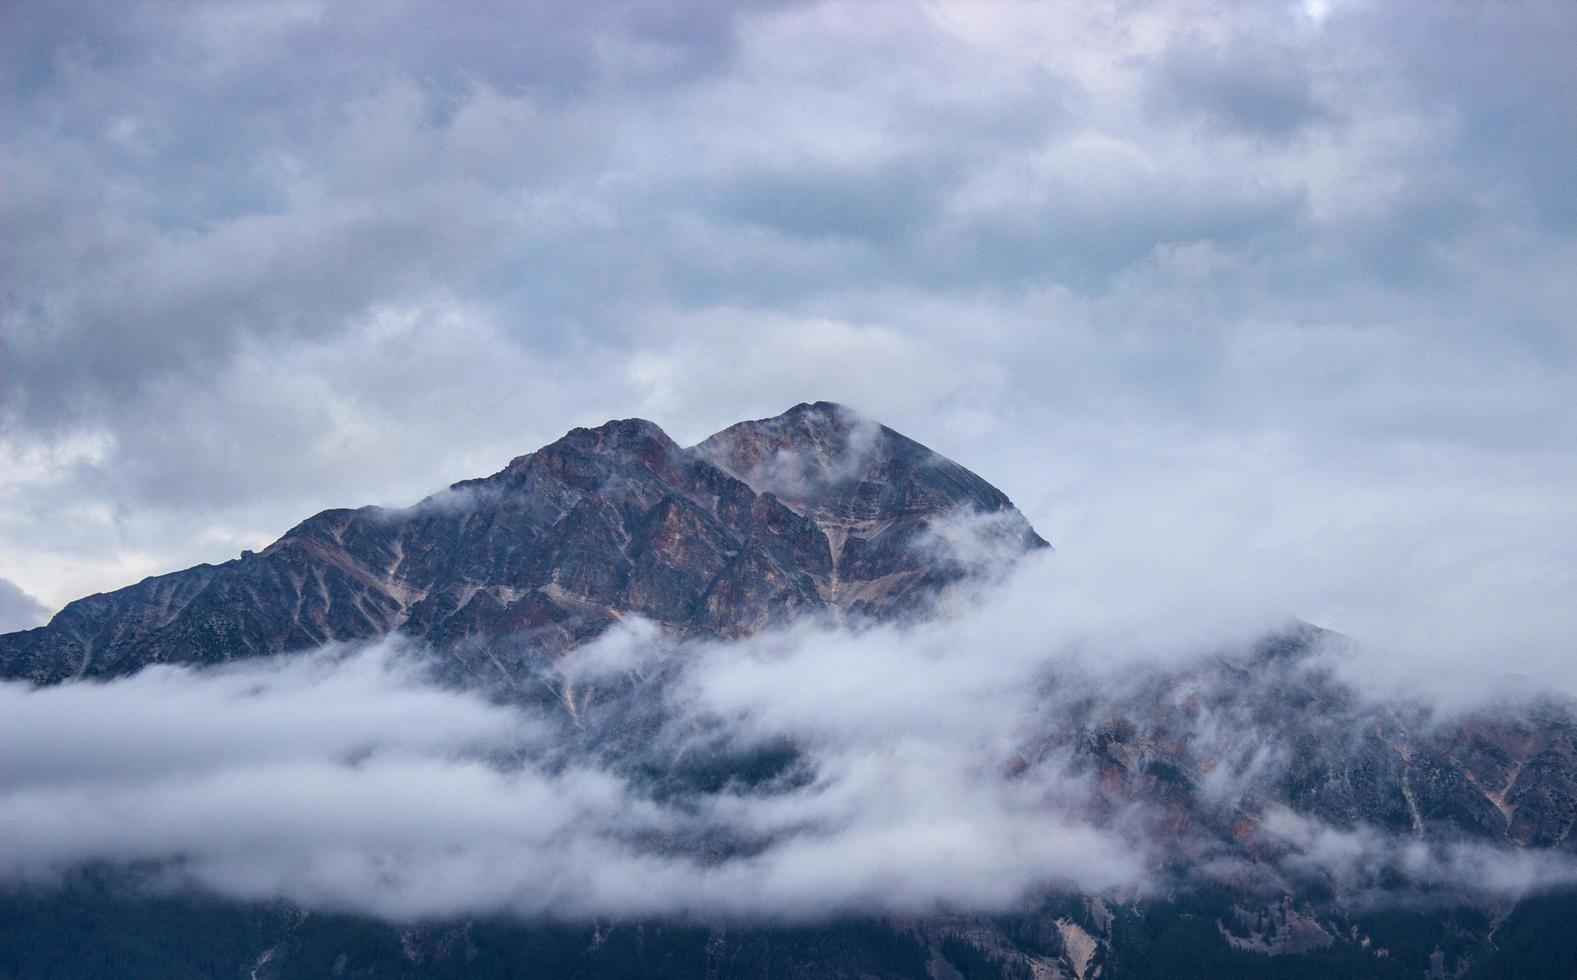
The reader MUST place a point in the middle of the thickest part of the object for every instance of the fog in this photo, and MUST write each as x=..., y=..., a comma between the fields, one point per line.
x=911, y=768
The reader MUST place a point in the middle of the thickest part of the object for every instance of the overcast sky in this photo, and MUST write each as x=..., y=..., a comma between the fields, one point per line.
x=1258, y=292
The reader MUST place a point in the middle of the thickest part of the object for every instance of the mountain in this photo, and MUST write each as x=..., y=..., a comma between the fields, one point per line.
x=819, y=513
x=815, y=512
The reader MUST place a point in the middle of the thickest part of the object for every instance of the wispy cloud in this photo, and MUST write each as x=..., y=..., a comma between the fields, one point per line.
x=793, y=775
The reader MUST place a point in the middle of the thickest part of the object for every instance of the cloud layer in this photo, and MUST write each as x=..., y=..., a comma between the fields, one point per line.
x=341, y=781
x=791, y=776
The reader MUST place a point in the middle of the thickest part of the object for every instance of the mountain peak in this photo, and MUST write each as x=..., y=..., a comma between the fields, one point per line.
x=619, y=432
x=615, y=437
x=831, y=461
x=831, y=410
x=817, y=510
x=798, y=455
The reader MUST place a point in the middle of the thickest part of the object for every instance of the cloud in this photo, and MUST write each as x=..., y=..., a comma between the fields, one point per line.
x=767, y=362
x=813, y=771
x=1256, y=89
x=1368, y=864
x=18, y=610
x=345, y=780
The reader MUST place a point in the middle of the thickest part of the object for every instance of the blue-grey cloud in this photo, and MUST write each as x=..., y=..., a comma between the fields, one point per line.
x=1257, y=87
x=266, y=258
x=18, y=610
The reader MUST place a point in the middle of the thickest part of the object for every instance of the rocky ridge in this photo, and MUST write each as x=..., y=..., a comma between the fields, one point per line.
x=821, y=513
x=815, y=512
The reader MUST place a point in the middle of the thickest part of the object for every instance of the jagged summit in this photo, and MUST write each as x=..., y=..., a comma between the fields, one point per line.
x=834, y=462
x=818, y=510
x=627, y=439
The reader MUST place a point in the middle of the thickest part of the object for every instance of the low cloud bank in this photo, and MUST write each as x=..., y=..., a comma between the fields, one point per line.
x=1368, y=863
x=819, y=770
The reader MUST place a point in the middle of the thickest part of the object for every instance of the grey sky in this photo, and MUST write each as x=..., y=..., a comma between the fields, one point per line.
x=1283, y=292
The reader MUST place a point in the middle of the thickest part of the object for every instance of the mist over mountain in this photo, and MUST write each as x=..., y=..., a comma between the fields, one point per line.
x=1176, y=580
x=804, y=699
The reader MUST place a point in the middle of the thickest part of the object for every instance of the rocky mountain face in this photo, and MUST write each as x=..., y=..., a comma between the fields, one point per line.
x=815, y=512
x=820, y=513
x=1223, y=742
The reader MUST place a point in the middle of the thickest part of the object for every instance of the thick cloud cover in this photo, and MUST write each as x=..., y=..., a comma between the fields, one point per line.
x=920, y=778
x=1283, y=289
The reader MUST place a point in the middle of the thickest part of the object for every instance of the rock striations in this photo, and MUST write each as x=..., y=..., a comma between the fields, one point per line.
x=821, y=513
x=816, y=511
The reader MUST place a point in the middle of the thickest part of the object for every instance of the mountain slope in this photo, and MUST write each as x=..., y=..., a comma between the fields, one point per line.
x=820, y=513
x=817, y=511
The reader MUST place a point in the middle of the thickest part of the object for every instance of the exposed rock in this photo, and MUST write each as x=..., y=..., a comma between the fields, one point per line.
x=817, y=511
x=1079, y=945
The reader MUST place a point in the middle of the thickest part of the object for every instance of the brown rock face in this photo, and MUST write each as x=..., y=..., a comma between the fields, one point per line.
x=815, y=511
